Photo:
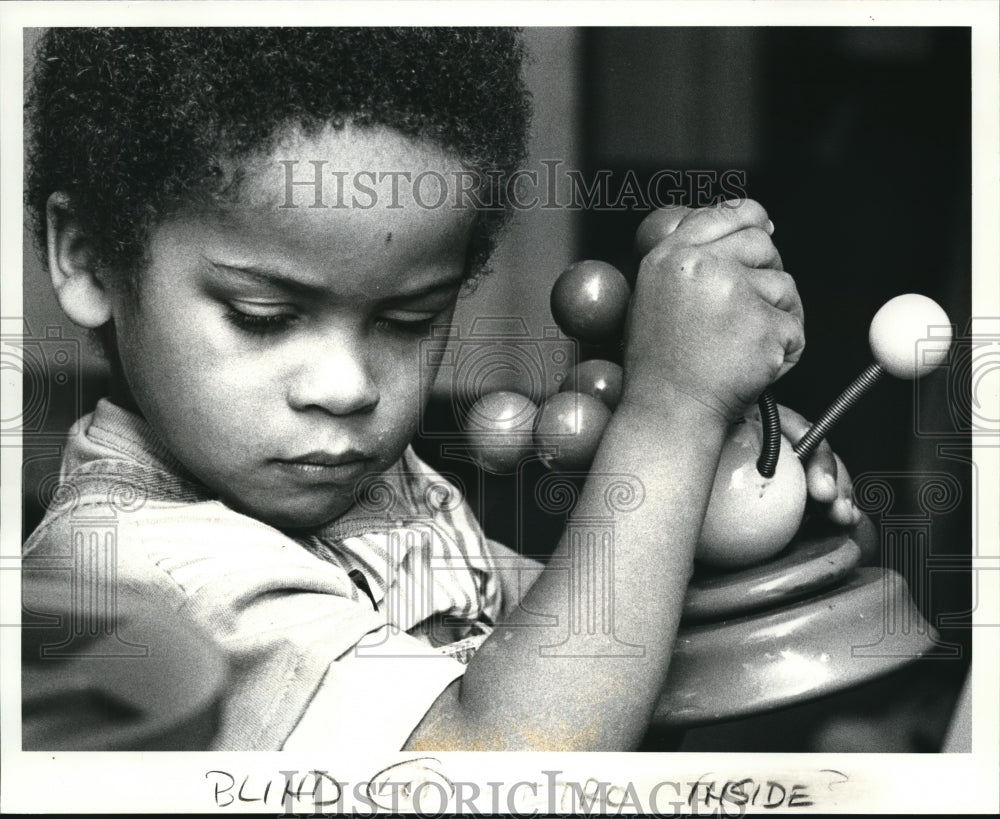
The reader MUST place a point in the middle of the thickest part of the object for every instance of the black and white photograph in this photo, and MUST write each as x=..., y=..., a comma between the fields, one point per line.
x=469, y=408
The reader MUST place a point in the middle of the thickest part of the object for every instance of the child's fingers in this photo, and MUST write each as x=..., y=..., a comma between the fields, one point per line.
x=827, y=480
x=843, y=511
x=750, y=246
x=778, y=289
x=786, y=320
x=821, y=468
x=657, y=226
x=822, y=475
x=793, y=425
x=788, y=330
x=710, y=224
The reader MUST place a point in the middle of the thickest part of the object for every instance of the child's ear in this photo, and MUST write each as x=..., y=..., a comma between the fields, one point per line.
x=83, y=297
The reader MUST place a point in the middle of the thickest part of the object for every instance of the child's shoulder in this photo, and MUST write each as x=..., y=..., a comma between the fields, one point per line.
x=119, y=484
x=111, y=470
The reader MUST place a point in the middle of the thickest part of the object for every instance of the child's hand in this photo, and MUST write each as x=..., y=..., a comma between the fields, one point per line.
x=829, y=485
x=827, y=480
x=713, y=317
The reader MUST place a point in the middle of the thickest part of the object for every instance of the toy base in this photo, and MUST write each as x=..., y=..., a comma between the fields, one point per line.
x=804, y=567
x=864, y=628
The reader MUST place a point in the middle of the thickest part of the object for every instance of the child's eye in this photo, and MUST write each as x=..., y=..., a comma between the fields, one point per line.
x=418, y=325
x=260, y=319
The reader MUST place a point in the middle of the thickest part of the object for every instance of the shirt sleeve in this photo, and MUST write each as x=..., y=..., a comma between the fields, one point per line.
x=361, y=697
x=375, y=695
x=279, y=614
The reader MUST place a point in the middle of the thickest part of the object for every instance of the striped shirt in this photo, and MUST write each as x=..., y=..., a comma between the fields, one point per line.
x=352, y=630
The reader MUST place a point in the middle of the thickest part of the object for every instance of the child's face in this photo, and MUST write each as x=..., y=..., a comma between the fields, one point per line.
x=276, y=350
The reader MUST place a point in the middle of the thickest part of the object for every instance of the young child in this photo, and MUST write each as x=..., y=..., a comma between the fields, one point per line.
x=196, y=195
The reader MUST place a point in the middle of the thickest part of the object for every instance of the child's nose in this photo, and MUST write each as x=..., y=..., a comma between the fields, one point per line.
x=335, y=377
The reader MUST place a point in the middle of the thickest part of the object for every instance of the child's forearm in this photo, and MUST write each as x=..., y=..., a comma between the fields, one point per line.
x=516, y=695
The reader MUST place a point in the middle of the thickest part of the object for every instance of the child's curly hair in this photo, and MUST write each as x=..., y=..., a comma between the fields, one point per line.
x=133, y=123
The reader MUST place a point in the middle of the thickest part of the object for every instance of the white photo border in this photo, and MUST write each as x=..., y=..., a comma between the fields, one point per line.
x=182, y=783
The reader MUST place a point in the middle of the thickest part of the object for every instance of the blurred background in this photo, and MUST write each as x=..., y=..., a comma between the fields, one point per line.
x=857, y=141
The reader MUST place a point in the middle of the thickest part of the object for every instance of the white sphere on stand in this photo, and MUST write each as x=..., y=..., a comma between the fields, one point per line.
x=910, y=336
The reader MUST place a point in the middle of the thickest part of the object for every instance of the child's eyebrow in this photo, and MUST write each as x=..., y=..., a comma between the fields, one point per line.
x=431, y=289
x=259, y=275
x=282, y=281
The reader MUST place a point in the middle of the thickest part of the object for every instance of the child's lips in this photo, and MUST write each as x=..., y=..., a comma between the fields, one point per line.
x=325, y=467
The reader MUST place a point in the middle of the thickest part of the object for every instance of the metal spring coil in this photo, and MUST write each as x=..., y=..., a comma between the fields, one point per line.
x=771, y=427
x=844, y=402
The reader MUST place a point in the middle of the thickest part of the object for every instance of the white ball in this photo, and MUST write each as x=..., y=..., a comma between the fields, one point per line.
x=910, y=336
